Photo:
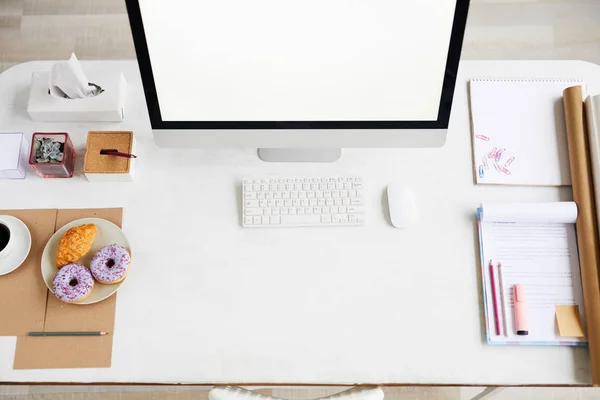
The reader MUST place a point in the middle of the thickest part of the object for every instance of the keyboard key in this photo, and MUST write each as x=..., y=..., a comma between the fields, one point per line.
x=353, y=193
x=319, y=194
x=300, y=210
x=310, y=194
x=257, y=220
x=250, y=195
x=304, y=202
x=273, y=187
x=283, y=211
x=326, y=210
x=301, y=219
x=296, y=203
x=357, y=185
x=329, y=202
x=339, y=185
x=321, y=202
x=355, y=210
x=253, y=211
x=312, y=202
x=251, y=203
x=267, y=211
x=337, y=202
x=334, y=210
x=292, y=210
x=342, y=210
x=336, y=219
x=285, y=195
x=346, y=201
x=327, y=194
x=335, y=194
x=308, y=210
x=343, y=193
x=344, y=219
x=352, y=218
x=255, y=187
x=248, y=220
x=326, y=219
x=270, y=203
x=264, y=187
x=269, y=195
x=277, y=195
x=247, y=181
x=247, y=188
x=262, y=203
x=260, y=195
x=316, y=210
x=265, y=220
x=279, y=203
x=275, y=211
x=294, y=195
x=276, y=219
x=287, y=203
x=356, y=202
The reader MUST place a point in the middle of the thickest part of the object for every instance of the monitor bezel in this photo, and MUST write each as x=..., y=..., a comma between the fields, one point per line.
x=156, y=121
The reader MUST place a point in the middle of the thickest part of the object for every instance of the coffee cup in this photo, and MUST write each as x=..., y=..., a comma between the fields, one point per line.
x=6, y=244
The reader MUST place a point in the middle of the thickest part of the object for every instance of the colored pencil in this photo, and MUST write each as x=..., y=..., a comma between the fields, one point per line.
x=67, y=333
x=495, y=298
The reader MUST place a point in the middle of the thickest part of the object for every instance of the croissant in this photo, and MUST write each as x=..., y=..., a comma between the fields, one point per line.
x=74, y=244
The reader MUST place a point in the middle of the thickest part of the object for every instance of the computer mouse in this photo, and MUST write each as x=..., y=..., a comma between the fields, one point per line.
x=402, y=205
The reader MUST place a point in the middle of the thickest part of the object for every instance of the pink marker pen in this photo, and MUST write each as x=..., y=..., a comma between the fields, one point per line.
x=520, y=310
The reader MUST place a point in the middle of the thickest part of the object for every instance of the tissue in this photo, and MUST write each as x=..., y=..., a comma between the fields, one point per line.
x=68, y=80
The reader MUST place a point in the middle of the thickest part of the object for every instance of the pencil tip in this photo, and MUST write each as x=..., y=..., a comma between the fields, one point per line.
x=103, y=333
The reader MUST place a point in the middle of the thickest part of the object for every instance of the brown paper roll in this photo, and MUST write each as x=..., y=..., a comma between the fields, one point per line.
x=587, y=234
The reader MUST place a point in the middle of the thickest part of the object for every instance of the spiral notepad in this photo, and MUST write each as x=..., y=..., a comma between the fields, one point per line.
x=519, y=135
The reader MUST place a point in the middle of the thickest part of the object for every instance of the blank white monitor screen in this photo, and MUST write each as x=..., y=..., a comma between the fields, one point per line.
x=298, y=60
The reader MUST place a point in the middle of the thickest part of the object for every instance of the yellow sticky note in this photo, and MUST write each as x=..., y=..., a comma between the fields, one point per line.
x=569, y=322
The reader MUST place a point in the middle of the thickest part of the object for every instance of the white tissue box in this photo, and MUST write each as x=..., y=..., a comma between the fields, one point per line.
x=107, y=106
x=14, y=154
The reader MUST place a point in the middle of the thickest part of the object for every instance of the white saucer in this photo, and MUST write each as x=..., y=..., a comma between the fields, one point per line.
x=20, y=237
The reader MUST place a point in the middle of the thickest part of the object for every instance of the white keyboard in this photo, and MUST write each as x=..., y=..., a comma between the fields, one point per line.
x=325, y=201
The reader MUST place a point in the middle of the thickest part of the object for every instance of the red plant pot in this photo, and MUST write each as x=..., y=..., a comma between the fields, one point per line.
x=63, y=169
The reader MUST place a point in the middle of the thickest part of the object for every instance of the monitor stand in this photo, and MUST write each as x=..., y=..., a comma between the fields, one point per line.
x=299, y=155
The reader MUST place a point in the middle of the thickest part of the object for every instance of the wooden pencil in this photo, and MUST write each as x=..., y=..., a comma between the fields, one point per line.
x=67, y=333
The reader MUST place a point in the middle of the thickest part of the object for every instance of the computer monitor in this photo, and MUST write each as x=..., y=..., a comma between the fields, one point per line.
x=298, y=74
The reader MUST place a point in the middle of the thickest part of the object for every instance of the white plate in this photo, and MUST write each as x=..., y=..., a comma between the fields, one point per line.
x=107, y=233
x=20, y=239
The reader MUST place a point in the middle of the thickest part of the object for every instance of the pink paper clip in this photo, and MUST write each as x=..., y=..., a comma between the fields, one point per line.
x=509, y=161
x=483, y=137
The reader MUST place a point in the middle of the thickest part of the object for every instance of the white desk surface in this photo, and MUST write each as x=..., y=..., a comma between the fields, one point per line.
x=210, y=302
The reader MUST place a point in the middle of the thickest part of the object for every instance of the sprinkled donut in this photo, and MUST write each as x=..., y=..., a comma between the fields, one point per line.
x=73, y=283
x=110, y=264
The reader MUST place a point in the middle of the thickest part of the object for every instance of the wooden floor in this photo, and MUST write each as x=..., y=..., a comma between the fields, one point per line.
x=98, y=29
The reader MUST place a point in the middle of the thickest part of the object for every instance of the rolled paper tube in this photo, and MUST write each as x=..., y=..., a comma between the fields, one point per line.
x=587, y=234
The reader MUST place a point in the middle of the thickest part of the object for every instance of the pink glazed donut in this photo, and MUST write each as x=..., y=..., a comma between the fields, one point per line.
x=110, y=264
x=73, y=283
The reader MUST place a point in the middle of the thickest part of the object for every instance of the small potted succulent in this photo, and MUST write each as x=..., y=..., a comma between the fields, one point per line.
x=52, y=155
